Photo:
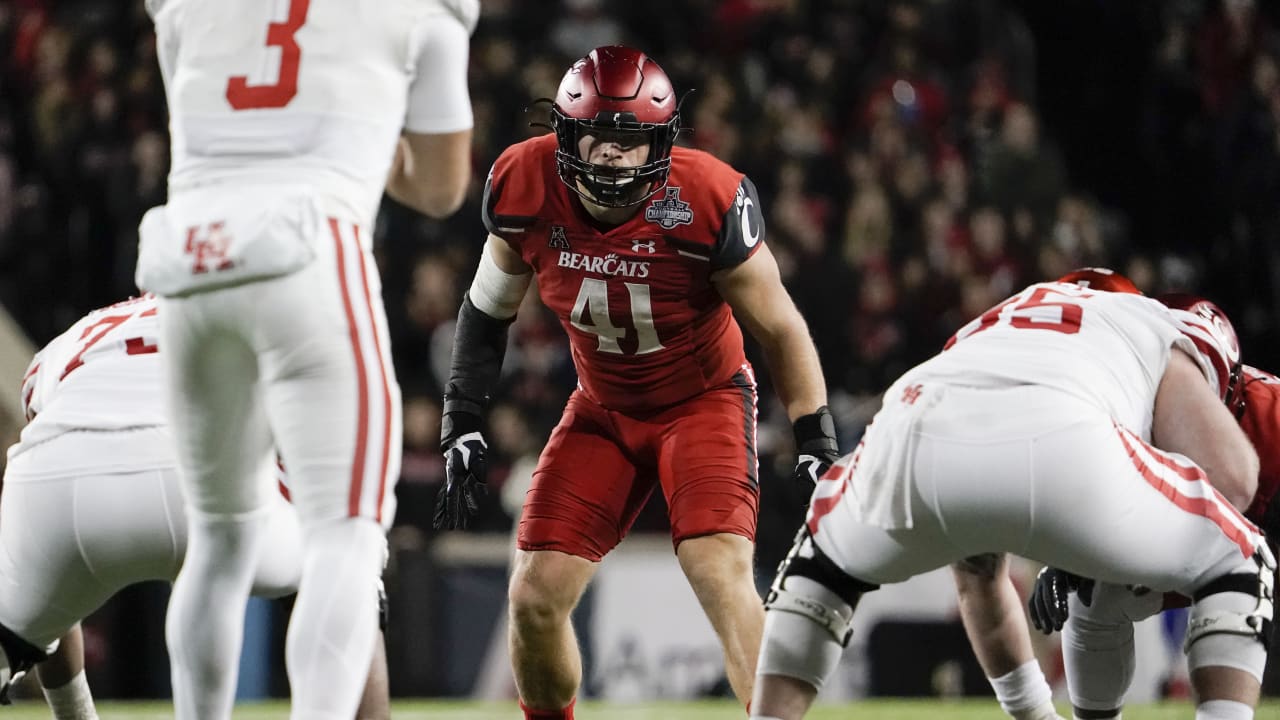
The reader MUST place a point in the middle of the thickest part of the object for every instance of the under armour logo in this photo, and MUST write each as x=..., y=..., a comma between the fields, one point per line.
x=210, y=251
x=638, y=245
x=911, y=393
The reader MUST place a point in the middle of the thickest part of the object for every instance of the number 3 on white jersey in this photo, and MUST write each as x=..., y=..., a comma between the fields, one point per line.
x=590, y=314
x=243, y=96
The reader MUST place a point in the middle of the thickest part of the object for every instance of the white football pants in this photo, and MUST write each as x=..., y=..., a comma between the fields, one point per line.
x=1038, y=473
x=68, y=542
x=300, y=363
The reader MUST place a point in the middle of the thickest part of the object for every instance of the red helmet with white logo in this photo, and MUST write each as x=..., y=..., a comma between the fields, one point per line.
x=1100, y=279
x=1214, y=337
x=620, y=91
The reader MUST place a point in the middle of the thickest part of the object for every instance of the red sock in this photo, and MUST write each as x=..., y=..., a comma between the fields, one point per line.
x=563, y=714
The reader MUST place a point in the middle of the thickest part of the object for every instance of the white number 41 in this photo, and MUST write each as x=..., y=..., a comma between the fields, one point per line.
x=591, y=314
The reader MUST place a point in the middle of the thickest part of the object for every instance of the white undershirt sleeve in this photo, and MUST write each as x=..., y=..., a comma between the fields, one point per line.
x=439, y=101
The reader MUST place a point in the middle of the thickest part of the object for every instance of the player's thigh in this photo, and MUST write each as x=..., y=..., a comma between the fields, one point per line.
x=1110, y=506
x=43, y=579
x=71, y=543
x=218, y=421
x=877, y=555
x=131, y=526
x=707, y=465
x=331, y=392
x=585, y=492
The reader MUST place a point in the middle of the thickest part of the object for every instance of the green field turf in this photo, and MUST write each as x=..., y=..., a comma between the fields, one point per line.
x=866, y=710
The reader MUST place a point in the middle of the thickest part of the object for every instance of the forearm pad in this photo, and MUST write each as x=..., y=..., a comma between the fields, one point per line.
x=815, y=433
x=479, y=345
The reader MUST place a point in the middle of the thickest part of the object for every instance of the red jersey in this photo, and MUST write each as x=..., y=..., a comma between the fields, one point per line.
x=646, y=327
x=1261, y=422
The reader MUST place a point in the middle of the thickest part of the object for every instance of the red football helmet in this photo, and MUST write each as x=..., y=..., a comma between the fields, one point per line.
x=618, y=90
x=1214, y=336
x=1100, y=279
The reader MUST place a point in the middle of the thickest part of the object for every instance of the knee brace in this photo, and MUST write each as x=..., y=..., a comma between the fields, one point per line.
x=834, y=610
x=1231, y=618
x=809, y=614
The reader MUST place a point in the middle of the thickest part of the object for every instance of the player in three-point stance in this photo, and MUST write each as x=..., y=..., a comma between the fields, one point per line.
x=1096, y=617
x=1058, y=399
x=92, y=503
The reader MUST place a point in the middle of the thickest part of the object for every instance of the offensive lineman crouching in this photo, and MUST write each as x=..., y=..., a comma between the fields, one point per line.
x=1047, y=398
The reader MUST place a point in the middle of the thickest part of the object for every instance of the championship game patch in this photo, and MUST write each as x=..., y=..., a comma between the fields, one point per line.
x=669, y=211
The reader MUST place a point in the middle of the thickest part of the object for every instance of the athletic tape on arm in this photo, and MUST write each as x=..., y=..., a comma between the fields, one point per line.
x=495, y=292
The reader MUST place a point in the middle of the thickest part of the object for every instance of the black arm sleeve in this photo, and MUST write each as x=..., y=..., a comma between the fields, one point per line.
x=479, y=345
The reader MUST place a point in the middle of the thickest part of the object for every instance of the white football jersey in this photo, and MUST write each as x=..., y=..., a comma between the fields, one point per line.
x=310, y=92
x=1109, y=349
x=101, y=374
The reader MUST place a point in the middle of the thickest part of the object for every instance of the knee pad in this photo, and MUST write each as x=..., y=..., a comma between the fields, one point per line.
x=831, y=606
x=1231, y=618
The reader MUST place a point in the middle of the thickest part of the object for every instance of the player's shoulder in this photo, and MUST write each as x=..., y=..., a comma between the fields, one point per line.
x=1261, y=391
x=1261, y=418
x=700, y=169
x=707, y=183
x=527, y=155
x=145, y=305
x=518, y=183
x=525, y=165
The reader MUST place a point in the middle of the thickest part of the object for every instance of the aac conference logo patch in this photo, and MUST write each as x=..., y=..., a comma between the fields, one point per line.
x=669, y=211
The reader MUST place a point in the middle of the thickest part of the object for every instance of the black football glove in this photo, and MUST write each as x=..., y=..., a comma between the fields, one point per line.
x=1048, y=603
x=816, y=448
x=465, y=467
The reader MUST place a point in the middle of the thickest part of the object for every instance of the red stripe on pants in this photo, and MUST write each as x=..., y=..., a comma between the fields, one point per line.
x=362, y=424
x=386, y=384
x=1204, y=507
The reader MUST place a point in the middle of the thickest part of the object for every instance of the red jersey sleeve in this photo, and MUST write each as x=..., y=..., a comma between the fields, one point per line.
x=1261, y=423
x=516, y=191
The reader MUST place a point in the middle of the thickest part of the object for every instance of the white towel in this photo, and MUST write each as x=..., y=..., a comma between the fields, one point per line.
x=207, y=240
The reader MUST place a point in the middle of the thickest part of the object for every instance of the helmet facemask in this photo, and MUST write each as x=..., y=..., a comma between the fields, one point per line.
x=608, y=185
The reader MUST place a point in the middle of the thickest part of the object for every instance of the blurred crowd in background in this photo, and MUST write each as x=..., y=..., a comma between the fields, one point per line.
x=919, y=160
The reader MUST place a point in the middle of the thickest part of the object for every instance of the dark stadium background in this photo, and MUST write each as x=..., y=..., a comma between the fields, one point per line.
x=919, y=160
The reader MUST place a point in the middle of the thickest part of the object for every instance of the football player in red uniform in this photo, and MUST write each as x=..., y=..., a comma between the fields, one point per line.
x=1098, y=649
x=647, y=253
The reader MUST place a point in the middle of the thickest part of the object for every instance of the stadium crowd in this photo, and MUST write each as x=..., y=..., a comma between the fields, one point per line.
x=908, y=167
